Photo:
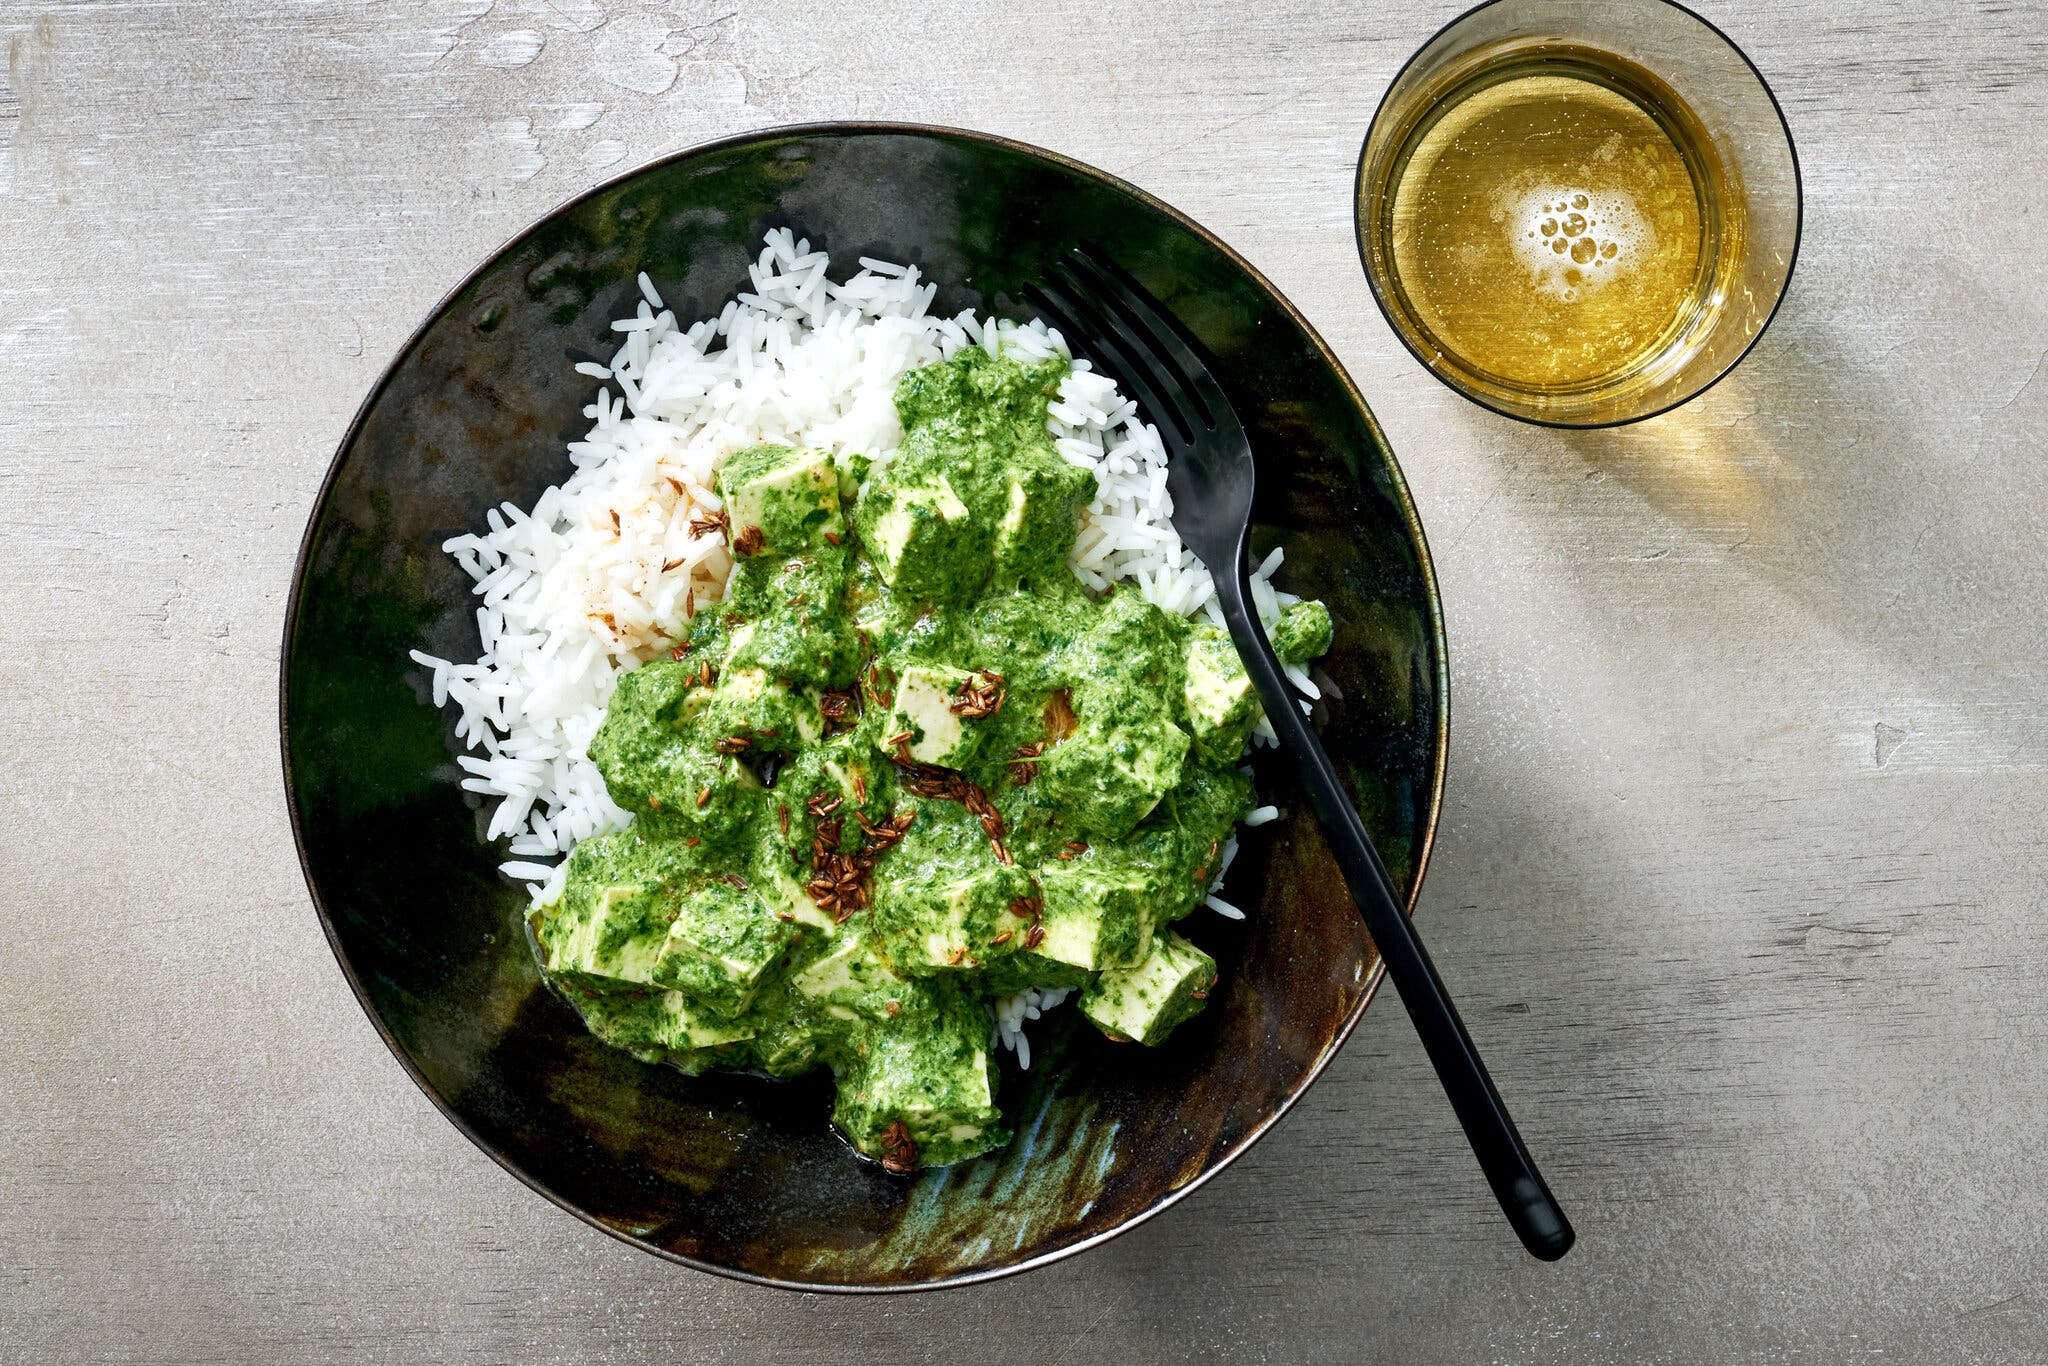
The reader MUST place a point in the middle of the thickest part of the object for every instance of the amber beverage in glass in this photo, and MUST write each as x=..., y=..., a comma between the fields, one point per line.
x=1578, y=214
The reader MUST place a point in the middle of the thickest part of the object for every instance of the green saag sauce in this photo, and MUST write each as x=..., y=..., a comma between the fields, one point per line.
x=909, y=765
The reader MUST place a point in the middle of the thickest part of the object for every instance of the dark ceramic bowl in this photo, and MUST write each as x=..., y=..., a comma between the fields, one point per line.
x=732, y=1173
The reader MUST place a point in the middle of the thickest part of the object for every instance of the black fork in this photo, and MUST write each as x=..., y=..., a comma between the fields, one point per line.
x=1105, y=313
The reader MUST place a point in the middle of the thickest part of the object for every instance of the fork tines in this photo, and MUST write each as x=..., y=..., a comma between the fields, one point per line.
x=1098, y=307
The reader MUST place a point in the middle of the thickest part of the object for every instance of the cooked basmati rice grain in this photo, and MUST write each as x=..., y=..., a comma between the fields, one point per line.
x=1222, y=907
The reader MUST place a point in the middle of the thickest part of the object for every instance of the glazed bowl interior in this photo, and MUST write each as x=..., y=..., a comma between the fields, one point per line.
x=733, y=1173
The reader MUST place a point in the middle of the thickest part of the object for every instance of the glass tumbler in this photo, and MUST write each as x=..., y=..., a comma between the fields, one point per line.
x=1578, y=213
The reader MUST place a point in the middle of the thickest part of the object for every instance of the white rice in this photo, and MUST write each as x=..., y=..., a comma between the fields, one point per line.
x=602, y=573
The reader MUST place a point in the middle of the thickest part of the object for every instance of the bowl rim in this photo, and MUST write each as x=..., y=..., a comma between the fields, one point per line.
x=1403, y=499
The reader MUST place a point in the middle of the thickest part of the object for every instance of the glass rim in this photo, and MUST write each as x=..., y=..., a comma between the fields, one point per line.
x=1386, y=311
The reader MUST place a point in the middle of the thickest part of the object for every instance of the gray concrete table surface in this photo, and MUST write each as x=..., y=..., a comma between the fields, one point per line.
x=1741, y=872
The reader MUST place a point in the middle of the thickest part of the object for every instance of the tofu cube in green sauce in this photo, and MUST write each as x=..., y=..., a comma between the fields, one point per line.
x=923, y=706
x=1046, y=495
x=602, y=934
x=1182, y=841
x=788, y=621
x=789, y=495
x=644, y=748
x=661, y=1026
x=780, y=884
x=749, y=705
x=1106, y=777
x=784, y=1043
x=788, y=1034
x=656, y=758
x=721, y=945
x=844, y=766
x=850, y=982
x=1127, y=683
x=1144, y=1002
x=712, y=797
x=948, y=914
x=1098, y=912
x=927, y=1069
x=1128, y=661
x=923, y=540
x=1222, y=706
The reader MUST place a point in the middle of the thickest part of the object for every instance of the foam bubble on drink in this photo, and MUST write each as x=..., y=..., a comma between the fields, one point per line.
x=1574, y=242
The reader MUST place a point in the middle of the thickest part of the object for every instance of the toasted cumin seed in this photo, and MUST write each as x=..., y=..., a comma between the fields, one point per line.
x=901, y=1156
x=892, y=1008
x=703, y=798
x=1034, y=936
x=783, y=808
x=1202, y=995
x=1004, y=937
x=693, y=841
x=832, y=537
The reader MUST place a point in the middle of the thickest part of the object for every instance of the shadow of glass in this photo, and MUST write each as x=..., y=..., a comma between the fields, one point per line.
x=1805, y=470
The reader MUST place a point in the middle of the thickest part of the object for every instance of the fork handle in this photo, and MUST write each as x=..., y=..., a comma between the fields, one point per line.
x=1490, y=1130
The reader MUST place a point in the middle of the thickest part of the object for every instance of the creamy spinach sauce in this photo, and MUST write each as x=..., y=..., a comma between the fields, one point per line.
x=909, y=765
